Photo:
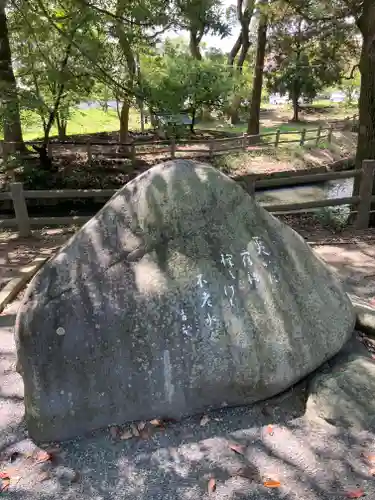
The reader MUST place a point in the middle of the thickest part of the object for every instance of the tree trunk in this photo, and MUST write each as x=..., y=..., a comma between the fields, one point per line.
x=235, y=110
x=295, y=108
x=127, y=49
x=366, y=131
x=8, y=91
x=256, y=96
x=142, y=116
x=153, y=120
x=193, y=117
x=124, y=122
x=241, y=45
x=61, y=127
x=235, y=49
x=244, y=50
x=194, y=45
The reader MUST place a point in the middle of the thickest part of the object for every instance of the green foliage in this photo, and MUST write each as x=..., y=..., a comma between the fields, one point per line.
x=351, y=85
x=176, y=81
x=334, y=218
x=52, y=74
x=304, y=58
x=202, y=17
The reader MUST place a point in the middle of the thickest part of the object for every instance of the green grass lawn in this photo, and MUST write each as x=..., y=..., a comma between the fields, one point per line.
x=95, y=120
x=88, y=121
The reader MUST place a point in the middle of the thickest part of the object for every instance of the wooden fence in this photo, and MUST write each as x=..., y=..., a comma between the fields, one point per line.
x=361, y=203
x=189, y=148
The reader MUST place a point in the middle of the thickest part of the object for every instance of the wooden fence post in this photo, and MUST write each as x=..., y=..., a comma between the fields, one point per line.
x=173, y=148
x=211, y=148
x=365, y=194
x=277, y=138
x=319, y=133
x=89, y=152
x=49, y=150
x=244, y=141
x=303, y=137
x=20, y=209
x=330, y=132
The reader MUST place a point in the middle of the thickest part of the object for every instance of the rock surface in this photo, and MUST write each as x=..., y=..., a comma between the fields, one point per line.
x=181, y=294
x=343, y=394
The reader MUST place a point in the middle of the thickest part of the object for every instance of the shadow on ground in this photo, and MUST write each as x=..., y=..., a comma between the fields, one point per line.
x=311, y=460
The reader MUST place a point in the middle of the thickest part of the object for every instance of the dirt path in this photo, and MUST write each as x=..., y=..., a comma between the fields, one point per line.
x=15, y=253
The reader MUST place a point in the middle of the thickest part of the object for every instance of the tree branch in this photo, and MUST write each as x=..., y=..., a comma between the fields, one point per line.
x=118, y=17
x=107, y=77
x=302, y=11
x=351, y=76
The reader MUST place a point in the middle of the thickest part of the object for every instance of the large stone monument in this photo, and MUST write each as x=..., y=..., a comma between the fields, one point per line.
x=180, y=295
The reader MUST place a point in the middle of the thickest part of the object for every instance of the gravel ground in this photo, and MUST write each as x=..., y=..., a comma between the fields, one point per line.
x=273, y=441
x=308, y=459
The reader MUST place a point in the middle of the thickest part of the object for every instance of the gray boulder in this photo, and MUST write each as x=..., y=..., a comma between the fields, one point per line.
x=343, y=392
x=180, y=295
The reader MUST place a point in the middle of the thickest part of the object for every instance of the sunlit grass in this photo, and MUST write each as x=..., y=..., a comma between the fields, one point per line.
x=88, y=121
x=94, y=120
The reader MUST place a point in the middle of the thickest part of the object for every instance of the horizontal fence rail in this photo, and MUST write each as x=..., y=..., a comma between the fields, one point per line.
x=185, y=147
x=361, y=203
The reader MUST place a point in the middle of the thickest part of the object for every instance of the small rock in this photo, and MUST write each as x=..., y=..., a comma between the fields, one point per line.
x=127, y=434
x=65, y=474
x=134, y=430
x=204, y=420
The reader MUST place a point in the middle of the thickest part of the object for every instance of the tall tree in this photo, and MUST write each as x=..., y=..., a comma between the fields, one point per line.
x=200, y=17
x=363, y=13
x=237, y=55
x=256, y=95
x=174, y=81
x=132, y=27
x=244, y=14
x=8, y=91
x=305, y=56
x=52, y=72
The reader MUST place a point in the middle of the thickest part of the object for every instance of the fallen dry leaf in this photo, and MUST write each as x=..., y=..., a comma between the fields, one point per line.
x=4, y=485
x=134, y=430
x=271, y=483
x=270, y=429
x=126, y=435
x=355, y=494
x=211, y=485
x=156, y=422
x=53, y=450
x=250, y=472
x=4, y=475
x=237, y=448
x=42, y=456
x=204, y=420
